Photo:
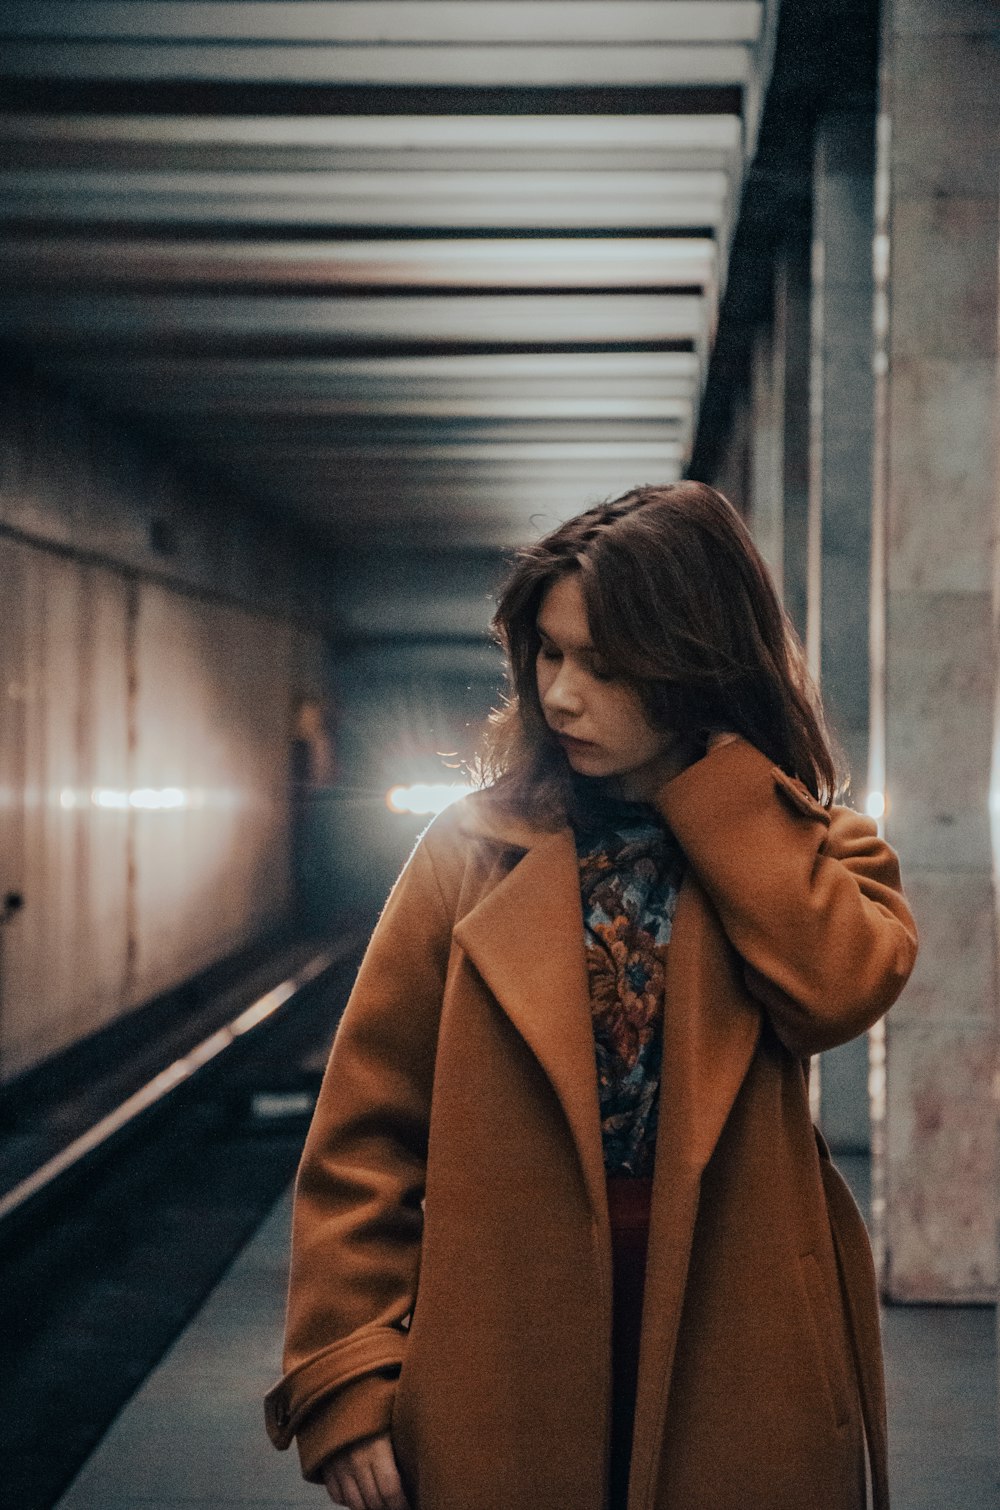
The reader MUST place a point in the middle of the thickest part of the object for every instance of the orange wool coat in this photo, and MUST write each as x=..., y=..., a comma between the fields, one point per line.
x=451, y=1259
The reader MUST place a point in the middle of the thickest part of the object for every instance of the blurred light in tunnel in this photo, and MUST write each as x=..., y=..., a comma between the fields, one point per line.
x=425, y=797
x=875, y=804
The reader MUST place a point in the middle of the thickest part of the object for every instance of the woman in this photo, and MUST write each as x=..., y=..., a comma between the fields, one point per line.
x=565, y=1237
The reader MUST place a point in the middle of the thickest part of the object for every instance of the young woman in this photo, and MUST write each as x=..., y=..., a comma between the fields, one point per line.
x=565, y=1237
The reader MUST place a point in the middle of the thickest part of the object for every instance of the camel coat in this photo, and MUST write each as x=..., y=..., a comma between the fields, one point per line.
x=451, y=1259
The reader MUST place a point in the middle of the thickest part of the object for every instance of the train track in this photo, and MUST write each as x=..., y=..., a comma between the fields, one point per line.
x=112, y=1243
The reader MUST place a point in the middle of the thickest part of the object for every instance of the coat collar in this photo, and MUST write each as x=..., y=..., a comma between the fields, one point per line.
x=525, y=937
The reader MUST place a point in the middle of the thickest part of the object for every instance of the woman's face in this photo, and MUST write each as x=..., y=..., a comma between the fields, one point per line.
x=598, y=719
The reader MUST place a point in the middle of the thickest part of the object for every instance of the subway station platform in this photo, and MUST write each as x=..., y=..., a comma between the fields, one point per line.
x=194, y=1434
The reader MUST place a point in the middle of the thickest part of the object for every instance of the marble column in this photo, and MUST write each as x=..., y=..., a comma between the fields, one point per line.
x=935, y=731
x=839, y=506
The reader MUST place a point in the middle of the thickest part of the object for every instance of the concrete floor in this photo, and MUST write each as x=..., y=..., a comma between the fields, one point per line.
x=194, y=1435
x=941, y=1384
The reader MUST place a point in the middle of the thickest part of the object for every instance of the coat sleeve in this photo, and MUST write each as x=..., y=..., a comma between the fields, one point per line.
x=809, y=897
x=357, y=1217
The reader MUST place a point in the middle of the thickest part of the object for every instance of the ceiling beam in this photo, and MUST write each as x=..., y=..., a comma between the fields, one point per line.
x=439, y=373
x=495, y=320
x=599, y=66
x=365, y=133
x=591, y=201
x=599, y=410
x=557, y=262
x=387, y=22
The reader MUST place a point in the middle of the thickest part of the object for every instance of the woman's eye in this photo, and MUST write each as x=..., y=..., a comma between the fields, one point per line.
x=602, y=673
x=547, y=653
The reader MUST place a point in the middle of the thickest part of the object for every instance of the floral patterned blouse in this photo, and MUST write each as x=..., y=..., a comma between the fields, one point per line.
x=631, y=868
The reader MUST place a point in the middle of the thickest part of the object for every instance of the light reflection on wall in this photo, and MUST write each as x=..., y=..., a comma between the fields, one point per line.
x=149, y=799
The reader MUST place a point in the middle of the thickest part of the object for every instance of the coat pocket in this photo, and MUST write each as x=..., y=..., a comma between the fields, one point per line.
x=827, y=1335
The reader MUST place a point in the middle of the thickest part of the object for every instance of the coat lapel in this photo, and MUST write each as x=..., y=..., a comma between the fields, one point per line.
x=711, y=1031
x=525, y=937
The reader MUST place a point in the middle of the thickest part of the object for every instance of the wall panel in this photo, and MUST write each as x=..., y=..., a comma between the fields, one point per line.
x=62, y=734
x=212, y=723
x=156, y=636
x=144, y=753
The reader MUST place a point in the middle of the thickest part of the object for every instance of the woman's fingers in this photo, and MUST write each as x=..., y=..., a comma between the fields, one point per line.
x=386, y=1472
x=371, y=1499
x=331, y=1479
x=350, y=1494
x=366, y=1477
x=341, y=1488
x=720, y=737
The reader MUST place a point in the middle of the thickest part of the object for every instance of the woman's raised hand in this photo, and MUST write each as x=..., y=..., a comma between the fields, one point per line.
x=365, y=1476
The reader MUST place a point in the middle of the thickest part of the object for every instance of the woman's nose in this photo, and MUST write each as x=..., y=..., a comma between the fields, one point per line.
x=562, y=695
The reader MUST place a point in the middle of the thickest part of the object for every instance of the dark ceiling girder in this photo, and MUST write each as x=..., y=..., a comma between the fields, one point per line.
x=321, y=346
x=177, y=287
x=53, y=96
x=178, y=230
x=825, y=53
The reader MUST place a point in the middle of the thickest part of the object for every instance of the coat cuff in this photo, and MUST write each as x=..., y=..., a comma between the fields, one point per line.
x=361, y=1409
x=295, y=1398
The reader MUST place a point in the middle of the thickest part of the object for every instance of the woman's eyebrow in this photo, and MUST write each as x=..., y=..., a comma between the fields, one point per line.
x=585, y=649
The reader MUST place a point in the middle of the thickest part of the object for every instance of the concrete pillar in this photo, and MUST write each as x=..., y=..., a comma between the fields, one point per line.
x=778, y=430
x=935, y=729
x=733, y=477
x=791, y=358
x=766, y=504
x=839, y=505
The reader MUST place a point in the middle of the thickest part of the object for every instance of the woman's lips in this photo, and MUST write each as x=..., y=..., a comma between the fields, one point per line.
x=574, y=744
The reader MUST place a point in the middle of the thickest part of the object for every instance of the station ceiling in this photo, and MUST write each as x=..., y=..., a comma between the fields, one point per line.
x=433, y=273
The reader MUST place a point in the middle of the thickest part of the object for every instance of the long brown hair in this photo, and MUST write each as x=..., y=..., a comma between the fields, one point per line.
x=682, y=606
